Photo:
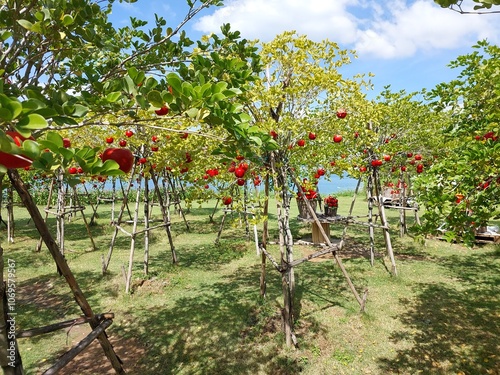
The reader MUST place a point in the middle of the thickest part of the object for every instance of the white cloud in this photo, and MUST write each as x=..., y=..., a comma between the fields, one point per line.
x=377, y=28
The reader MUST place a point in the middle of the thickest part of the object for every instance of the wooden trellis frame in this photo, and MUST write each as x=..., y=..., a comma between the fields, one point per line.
x=165, y=223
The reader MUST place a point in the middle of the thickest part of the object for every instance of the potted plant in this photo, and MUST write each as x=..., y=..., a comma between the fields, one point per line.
x=331, y=205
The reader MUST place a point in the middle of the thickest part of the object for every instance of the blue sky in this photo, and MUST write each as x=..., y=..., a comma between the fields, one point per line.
x=405, y=44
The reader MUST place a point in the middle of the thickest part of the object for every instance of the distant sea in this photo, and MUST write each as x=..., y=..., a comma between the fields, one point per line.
x=337, y=184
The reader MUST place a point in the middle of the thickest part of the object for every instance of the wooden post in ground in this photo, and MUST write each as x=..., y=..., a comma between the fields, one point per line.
x=383, y=220
x=165, y=212
x=63, y=267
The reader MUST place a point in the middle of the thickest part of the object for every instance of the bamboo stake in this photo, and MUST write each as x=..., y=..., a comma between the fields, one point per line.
x=133, y=237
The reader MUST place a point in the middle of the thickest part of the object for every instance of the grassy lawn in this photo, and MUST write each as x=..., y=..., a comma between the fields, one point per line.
x=440, y=315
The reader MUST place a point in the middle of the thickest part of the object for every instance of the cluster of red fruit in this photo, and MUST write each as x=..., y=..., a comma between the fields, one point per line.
x=331, y=201
x=488, y=135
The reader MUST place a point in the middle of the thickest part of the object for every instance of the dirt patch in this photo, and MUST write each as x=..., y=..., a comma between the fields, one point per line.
x=92, y=360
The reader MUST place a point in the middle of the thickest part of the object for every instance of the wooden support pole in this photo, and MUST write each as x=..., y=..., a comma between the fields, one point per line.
x=73, y=352
x=329, y=244
x=165, y=213
x=62, y=266
x=133, y=238
x=65, y=324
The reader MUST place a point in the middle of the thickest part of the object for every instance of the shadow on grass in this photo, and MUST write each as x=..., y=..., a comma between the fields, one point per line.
x=453, y=326
x=221, y=328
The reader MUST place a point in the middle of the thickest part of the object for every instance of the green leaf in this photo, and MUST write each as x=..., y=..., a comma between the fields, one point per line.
x=33, y=121
x=154, y=97
x=31, y=149
x=55, y=138
x=67, y=20
x=26, y=24
x=113, y=96
x=175, y=82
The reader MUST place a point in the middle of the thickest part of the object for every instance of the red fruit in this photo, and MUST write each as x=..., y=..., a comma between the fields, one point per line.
x=387, y=157
x=273, y=134
x=154, y=148
x=409, y=154
x=66, y=142
x=301, y=143
x=317, y=176
x=231, y=169
x=321, y=171
x=240, y=181
x=184, y=135
x=184, y=170
x=337, y=138
x=356, y=135
x=403, y=168
x=376, y=163
x=80, y=170
x=227, y=200
x=17, y=138
x=123, y=143
x=162, y=111
x=418, y=157
x=240, y=157
x=256, y=181
x=129, y=133
x=109, y=140
x=239, y=172
x=72, y=170
x=122, y=156
x=412, y=162
x=341, y=113
x=478, y=137
x=154, y=138
x=206, y=186
x=11, y=161
x=206, y=176
x=244, y=166
x=312, y=136
x=332, y=163
x=362, y=168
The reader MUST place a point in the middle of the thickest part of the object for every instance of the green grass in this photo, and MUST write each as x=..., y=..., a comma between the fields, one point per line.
x=440, y=315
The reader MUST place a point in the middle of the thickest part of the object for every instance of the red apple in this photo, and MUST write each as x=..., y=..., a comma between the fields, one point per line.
x=154, y=148
x=403, y=168
x=387, y=157
x=409, y=154
x=109, y=140
x=72, y=170
x=227, y=200
x=122, y=156
x=80, y=170
x=123, y=143
x=184, y=135
x=301, y=143
x=240, y=181
x=321, y=171
x=129, y=133
x=206, y=186
x=312, y=136
x=418, y=157
x=273, y=134
x=154, y=138
x=337, y=138
x=341, y=113
x=66, y=142
x=356, y=135
x=376, y=163
x=362, y=168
